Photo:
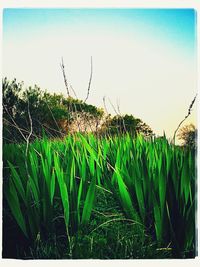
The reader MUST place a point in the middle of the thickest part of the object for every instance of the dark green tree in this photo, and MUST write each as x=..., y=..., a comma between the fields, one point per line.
x=53, y=114
x=45, y=110
x=126, y=123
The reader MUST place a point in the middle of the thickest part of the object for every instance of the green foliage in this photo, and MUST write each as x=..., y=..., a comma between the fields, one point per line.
x=126, y=124
x=52, y=114
x=79, y=106
x=55, y=115
x=152, y=183
x=46, y=111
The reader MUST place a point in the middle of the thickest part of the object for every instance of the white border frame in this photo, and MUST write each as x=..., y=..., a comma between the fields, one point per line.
x=104, y=4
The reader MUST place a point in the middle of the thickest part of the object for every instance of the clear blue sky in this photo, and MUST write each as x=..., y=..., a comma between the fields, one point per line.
x=143, y=58
x=175, y=25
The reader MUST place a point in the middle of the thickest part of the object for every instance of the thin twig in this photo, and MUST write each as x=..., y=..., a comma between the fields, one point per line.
x=124, y=126
x=188, y=114
x=115, y=220
x=118, y=115
x=104, y=103
x=64, y=76
x=98, y=186
x=53, y=118
x=18, y=128
x=86, y=119
x=74, y=92
x=105, y=107
x=48, y=127
x=15, y=123
x=67, y=88
x=90, y=79
x=28, y=138
x=109, y=214
x=113, y=107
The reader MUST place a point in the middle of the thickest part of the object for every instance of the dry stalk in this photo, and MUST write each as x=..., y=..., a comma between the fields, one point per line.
x=188, y=114
x=64, y=76
x=28, y=138
x=90, y=80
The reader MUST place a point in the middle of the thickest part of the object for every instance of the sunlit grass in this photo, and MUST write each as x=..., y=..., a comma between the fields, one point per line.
x=152, y=181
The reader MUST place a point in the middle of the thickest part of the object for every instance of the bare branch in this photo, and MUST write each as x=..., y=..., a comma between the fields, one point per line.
x=73, y=91
x=113, y=107
x=54, y=118
x=14, y=123
x=90, y=80
x=104, y=103
x=18, y=128
x=68, y=93
x=64, y=76
x=188, y=114
x=124, y=126
x=48, y=127
x=28, y=138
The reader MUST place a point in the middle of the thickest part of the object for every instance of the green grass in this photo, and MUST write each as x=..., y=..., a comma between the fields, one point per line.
x=66, y=188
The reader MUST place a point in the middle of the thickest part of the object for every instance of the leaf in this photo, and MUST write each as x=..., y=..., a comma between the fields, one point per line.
x=52, y=187
x=158, y=221
x=34, y=191
x=64, y=197
x=17, y=182
x=13, y=202
x=88, y=204
x=126, y=200
x=80, y=189
x=83, y=168
x=72, y=176
x=185, y=181
x=34, y=167
x=91, y=166
x=162, y=191
x=63, y=189
x=90, y=149
x=140, y=197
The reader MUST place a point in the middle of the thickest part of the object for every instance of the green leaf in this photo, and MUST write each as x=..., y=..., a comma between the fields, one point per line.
x=72, y=176
x=52, y=187
x=89, y=202
x=17, y=182
x=90, y=149
x=63, y=189
x=126, y=200
x=13, y=202
x=158, y=221
x=34, y=191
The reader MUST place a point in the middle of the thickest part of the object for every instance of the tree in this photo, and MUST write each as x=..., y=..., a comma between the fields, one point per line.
x=56, y=115
x=53, y=114
x=188, y=135
x=11, y=91
x=126, y=123
x=46, y=111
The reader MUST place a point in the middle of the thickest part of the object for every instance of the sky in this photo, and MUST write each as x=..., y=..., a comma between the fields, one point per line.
x=144, y=60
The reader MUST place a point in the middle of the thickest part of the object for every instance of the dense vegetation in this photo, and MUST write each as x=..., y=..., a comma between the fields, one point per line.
x=151, y=185
x=56, y=115
x=79, y=183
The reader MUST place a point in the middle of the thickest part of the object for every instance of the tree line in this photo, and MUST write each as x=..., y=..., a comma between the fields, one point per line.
x=55, y=115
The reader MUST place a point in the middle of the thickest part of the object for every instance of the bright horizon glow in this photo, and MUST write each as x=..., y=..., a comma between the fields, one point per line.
x=145, y=59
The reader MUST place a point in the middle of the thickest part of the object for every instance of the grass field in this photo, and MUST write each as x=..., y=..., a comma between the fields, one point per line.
x=106, y=197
